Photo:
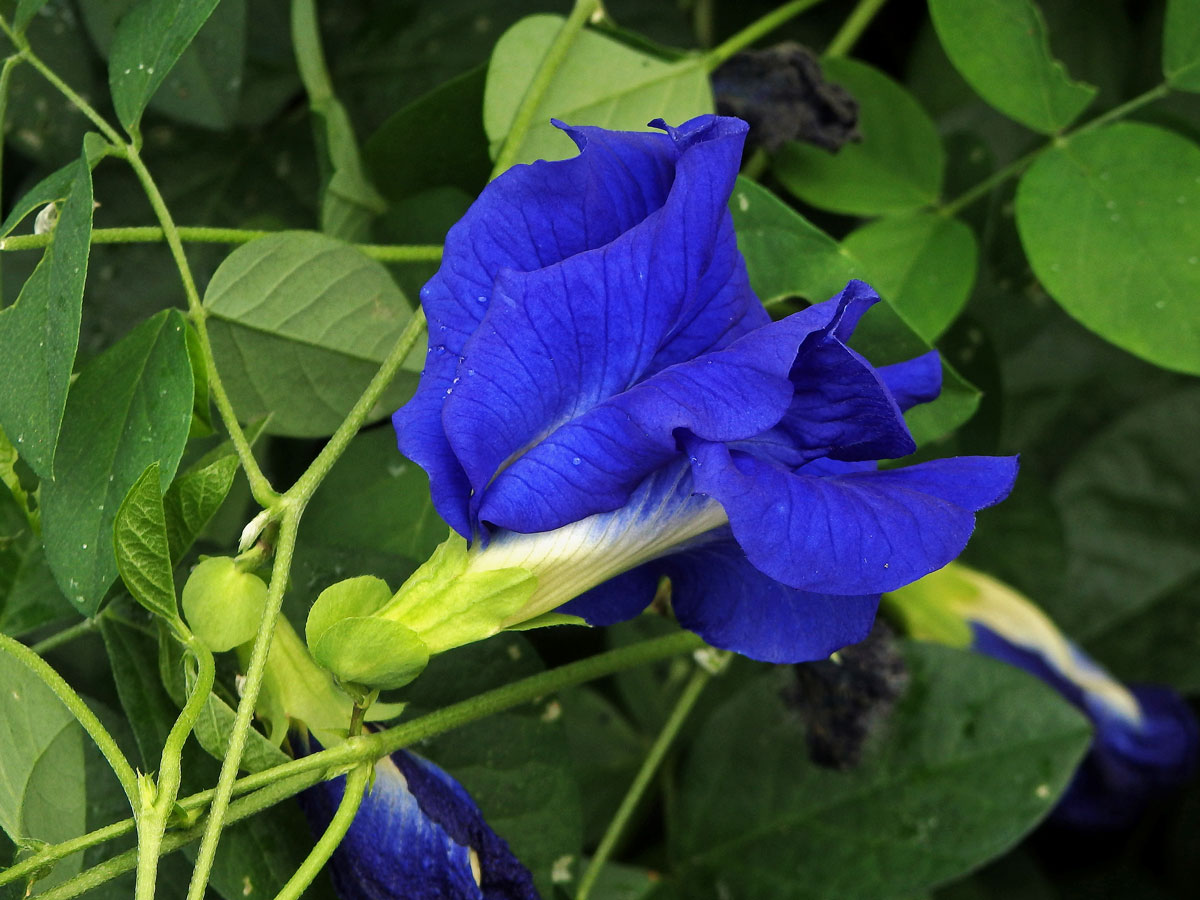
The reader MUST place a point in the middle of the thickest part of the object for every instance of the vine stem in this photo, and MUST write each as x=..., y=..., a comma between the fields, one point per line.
x=123, y=862
x=68, y=634
x=371, y=747
x=754, y=31
x=152, y=824
x=856, y=23
x=260, y=487
x=1017, y=166
x=658, y=751
x=10, y=64
x=282, y=565
x=303, y=489
x=343, y=817
x=91, y=724
x=203, y=235
x=523, y=118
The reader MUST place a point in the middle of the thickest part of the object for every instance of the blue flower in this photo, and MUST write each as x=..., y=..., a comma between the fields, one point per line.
x=417, y=836
x=605, y=402
x=1146, y=737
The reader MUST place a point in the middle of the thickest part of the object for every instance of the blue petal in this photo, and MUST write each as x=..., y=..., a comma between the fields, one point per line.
x=592, y=463
x=914, y=381
x=1136, y=754
x=413, y=839
x=640, y=188
x=559, y=340
x=718, y=594
x=617, y=599
x=861, y=533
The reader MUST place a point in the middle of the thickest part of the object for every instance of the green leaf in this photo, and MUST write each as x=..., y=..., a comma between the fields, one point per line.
x=897, y=167
x=434, y=141
x=374, y=498
x=42, y=793
x=129, y=407
x=202, y=420
x=972, y=758
x=1115, y=241
x=143, y=552
x=1181, y=45
x=26, y=10
x=223, y=605
x=54, y=186
x=148, y=43
x=299, y=324
x=40, y=332
x=1012, y=69
x=923, y=263
x=600, y=82
x=193, y=499
x=786, y=255
x=1130, y=517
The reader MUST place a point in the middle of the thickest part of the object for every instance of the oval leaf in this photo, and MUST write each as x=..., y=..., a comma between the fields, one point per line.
x=1117, y=242
x=143, y=551
x=40, y=332
x=129, y=407
x=600, y=82
x=1181, y=44
x=923, y=263
x=898, y=165
x=299, y=324
x=896, y=825
x=1012, y=68
x=786, y=255
x=148, y=43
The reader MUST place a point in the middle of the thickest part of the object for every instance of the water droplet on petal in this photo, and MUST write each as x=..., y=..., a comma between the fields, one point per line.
x=482, y=299
x=576, y=461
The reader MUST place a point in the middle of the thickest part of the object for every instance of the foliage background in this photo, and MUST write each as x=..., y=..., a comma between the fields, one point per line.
x=1102, y=530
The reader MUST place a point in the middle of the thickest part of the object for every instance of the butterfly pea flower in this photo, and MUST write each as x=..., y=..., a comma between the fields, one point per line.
x=418, y=835
x=1145, y=737
x=606, y=402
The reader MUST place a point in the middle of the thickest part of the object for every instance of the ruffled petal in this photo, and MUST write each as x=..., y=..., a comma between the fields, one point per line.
x=527, y=218
x=718, y=594
x=860, y=533
x=417, y=836
x=559, y=340
x=592, y=463
x=914, y=381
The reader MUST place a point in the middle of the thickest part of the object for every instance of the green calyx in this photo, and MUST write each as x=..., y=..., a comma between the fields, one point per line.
x=370, y=638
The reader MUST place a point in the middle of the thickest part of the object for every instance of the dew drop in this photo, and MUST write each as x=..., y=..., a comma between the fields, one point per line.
x=1192, y=260
x=1115, y=217
x=1111, y=204
x=576, y=461
x=482, y=299
x=85, y=546
x=470, y=371
x=1160, y=304
x=1181, y=199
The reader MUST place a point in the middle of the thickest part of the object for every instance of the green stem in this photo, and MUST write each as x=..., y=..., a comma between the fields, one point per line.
x=303, y=489
x=5, y=80
x=343, y=817
x=91, y=724
x=370, y=747
x=997, y=178
x=153, y=824
x=754, y=31
x=123, y=862
x=201, y=235
x=683, y=707
x=68, y=634
x=284, y=549
x=263, y=493
x=856, y=23
x=536, y=92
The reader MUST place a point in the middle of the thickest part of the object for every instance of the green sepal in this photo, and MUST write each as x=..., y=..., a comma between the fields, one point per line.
x=929, y=609
x=448, y=605
x=545, y=620
x=354, y=597
x=370, y=652
x=222, y=604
